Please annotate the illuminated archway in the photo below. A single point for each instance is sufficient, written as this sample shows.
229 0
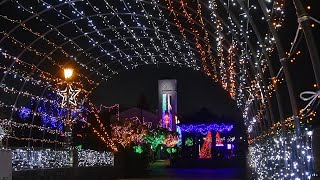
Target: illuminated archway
236 43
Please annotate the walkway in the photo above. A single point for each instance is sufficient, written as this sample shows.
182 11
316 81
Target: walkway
160 172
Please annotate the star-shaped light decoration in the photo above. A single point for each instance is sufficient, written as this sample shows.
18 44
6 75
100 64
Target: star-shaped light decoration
72 96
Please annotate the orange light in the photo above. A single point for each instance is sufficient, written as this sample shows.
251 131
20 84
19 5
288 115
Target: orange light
68 73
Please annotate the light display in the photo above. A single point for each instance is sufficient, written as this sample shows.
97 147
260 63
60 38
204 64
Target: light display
72 95
51 113
204 128
179 136
271 160
127 132
189 141
111 108
90 158
171 140
24 159
218 140
231 139
232 42
155 137
138 149
229 146
168 103
165 116
171 150
2 134
24 113
205 152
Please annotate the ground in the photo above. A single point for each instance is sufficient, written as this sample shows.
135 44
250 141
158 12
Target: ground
160 171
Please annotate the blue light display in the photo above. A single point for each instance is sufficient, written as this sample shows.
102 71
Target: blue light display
24 113
52 114
204 128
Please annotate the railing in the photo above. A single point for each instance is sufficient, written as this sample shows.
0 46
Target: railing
26 159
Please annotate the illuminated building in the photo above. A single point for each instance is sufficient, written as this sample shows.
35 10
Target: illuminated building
168 103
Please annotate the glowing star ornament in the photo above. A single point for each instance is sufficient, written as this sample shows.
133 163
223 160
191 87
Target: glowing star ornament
72 96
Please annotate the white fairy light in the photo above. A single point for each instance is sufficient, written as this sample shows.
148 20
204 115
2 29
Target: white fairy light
26 159
2 134
89 158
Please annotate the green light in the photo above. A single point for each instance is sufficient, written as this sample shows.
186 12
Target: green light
138 149
79 148
189 142
154 138
171 150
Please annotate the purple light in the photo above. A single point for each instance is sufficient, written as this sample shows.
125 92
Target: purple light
204 128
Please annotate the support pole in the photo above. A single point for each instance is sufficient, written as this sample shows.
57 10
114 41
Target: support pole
284 64
305 23
68 139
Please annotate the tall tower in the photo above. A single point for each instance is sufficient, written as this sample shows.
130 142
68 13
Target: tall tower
168 103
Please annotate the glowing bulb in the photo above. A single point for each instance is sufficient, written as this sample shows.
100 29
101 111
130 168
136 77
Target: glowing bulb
68 73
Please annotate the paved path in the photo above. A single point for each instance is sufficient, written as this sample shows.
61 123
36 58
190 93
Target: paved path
160 172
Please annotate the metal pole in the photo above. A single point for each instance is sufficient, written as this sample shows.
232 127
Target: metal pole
305 24
284 64
68 118
69 130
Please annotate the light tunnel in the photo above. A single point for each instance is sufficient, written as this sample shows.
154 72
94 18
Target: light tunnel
259 51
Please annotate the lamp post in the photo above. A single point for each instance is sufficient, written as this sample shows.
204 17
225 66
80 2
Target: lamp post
67 75
68 72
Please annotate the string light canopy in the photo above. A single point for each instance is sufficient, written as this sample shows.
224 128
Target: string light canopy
235 43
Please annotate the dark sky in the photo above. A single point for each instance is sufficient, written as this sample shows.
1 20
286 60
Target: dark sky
195 90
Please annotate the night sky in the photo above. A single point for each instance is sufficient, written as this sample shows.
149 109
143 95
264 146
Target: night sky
195 90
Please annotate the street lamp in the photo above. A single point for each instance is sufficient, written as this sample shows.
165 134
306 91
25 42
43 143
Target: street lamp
67 75
68 72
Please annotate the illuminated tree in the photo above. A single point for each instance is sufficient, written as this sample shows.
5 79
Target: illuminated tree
218 140
205 152
155 137
125 133
171 139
